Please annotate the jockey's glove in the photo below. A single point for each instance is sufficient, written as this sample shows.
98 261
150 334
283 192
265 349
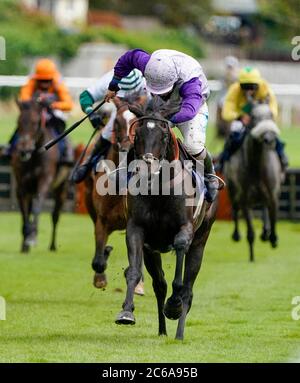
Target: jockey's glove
96 121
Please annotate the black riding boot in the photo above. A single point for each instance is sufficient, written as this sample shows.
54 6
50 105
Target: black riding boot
232 144
100 149
211 182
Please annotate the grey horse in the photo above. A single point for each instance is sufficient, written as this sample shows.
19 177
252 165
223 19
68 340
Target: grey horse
253 175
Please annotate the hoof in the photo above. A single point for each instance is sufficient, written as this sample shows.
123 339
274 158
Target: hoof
125 317
25 248
264 236
52 248
100 281
139 289
274 245
173 309
236 237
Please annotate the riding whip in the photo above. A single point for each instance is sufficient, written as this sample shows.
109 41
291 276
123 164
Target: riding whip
71 128
82 155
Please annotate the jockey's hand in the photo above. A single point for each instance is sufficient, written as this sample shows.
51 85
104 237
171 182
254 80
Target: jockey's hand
96 121
45 102
246 119
110 95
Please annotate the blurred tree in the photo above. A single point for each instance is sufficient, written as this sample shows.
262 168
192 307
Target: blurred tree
284 13
171 12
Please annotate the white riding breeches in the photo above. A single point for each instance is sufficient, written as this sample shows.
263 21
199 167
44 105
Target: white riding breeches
194 131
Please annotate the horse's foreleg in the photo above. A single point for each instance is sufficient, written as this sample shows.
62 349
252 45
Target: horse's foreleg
266 227
99 262
173 306
37 204
135 243
24 203
60 197
235 215
250 232
272 209
154 266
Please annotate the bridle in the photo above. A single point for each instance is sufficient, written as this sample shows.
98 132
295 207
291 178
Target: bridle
149 157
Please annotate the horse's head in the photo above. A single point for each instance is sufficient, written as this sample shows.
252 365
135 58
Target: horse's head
29 129
122 122
261 111
151 136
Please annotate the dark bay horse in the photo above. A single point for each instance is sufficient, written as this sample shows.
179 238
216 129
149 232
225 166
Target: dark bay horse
108 212
160 222
253 176
36 172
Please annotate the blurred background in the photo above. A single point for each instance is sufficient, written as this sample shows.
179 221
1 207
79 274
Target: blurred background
85 38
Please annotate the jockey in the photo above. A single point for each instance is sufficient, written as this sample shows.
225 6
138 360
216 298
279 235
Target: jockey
131 87
237 110
179 89
45 85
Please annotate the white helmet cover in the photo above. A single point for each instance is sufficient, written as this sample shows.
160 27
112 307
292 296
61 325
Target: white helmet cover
160 73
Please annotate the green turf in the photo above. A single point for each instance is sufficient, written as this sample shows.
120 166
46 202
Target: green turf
291 136
241 311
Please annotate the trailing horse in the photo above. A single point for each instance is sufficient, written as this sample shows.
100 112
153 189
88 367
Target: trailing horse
108 212
253 176
158 223
37 172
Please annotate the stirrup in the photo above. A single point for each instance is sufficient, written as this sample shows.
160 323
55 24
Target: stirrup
222 183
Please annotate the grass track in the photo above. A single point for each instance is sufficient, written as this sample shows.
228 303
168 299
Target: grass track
241 312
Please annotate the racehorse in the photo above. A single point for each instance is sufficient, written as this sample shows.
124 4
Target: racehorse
37 172
158 223
253 176
108 212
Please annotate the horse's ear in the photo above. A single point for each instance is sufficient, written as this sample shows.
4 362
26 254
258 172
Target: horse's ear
137 109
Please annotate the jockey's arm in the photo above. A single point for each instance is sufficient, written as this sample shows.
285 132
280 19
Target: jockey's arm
133 59
27 91
273 103
64 102
95 92
192 100
230 110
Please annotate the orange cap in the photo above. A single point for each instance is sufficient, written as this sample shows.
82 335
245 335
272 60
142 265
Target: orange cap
45 69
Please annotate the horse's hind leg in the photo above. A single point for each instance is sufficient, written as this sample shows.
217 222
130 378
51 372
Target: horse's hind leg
153 264
266 227
60 197
250 232
99 262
